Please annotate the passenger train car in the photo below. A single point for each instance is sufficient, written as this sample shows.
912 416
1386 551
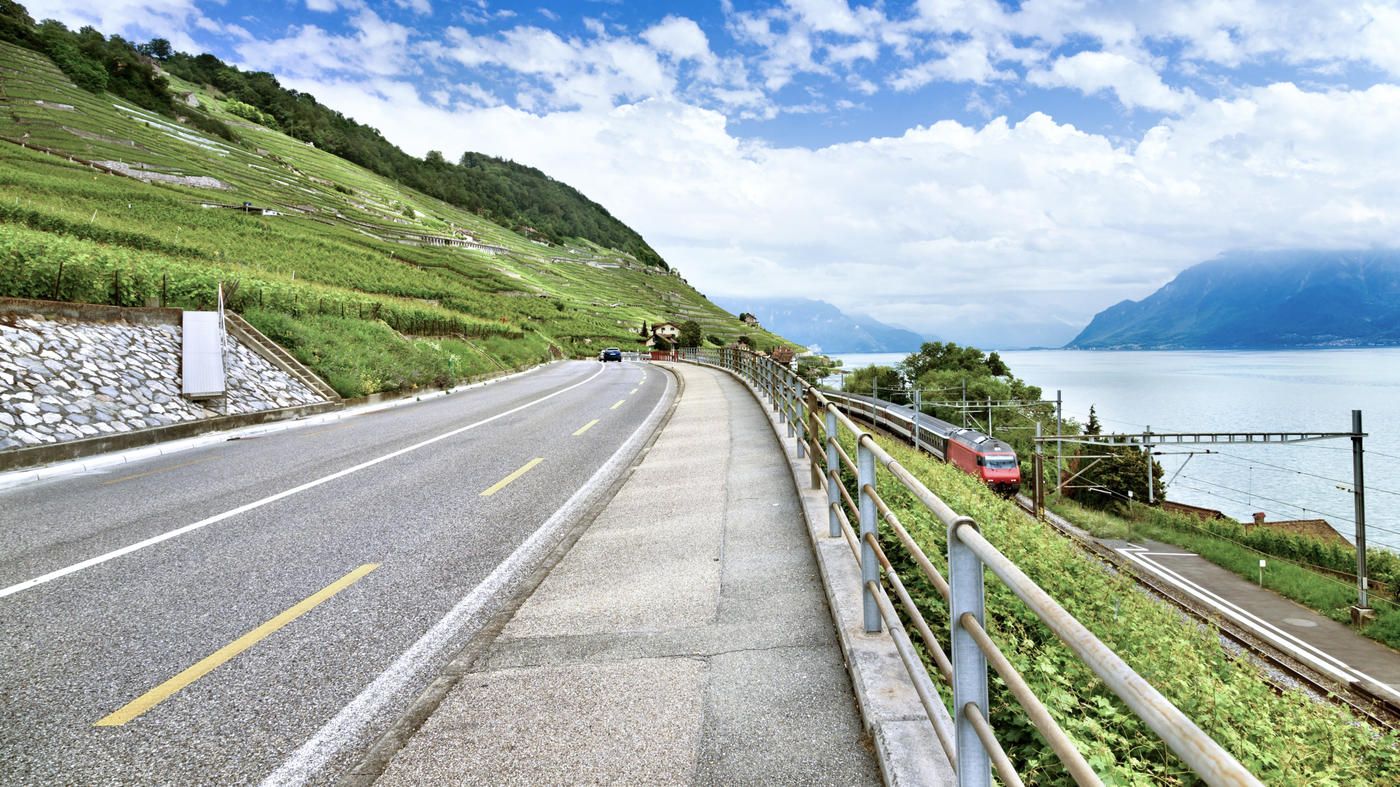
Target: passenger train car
976 454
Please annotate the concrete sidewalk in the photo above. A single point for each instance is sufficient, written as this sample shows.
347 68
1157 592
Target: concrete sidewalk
684 639
1338 648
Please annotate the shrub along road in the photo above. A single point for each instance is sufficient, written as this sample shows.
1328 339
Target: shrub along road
268 606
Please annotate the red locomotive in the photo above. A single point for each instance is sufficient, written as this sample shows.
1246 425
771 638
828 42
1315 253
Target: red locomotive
976 454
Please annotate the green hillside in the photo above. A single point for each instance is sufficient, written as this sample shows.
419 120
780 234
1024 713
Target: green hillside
376 286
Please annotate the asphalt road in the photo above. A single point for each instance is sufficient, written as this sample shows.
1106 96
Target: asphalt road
315 581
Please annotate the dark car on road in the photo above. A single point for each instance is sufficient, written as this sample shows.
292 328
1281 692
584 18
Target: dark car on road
610 354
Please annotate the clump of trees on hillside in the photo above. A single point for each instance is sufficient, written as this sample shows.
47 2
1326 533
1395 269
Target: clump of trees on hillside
97 63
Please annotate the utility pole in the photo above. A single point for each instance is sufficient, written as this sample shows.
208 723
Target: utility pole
918 408
1037 468
989 416
964 403
1059 444
1359 501
1147 454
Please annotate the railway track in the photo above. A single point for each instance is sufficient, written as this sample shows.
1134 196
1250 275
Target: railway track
1362 701
1285 672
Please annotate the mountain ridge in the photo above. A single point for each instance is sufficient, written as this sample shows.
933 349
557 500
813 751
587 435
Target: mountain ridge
813 322
1262 300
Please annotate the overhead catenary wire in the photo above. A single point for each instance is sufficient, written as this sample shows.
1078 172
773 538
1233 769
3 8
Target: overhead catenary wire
1282 468
1250 494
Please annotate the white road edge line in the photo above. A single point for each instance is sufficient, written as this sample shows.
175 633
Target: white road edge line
232 512
1319 659
15 478
355 717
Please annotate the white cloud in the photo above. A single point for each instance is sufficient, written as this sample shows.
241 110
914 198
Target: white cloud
422 7
1032 220
376 48
680 38
968 61
137 19
1135 84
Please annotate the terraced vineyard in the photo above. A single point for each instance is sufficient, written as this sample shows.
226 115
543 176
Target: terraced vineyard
375 286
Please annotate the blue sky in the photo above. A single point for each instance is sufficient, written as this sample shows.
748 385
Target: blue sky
925 162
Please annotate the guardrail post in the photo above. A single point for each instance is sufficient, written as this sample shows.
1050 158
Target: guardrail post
788 405
869 567
969 664
833 474
799 417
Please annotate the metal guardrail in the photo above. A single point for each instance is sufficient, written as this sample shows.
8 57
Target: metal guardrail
817 422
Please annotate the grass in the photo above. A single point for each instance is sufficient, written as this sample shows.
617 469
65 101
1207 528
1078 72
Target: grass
343 252
1322 593
1283 739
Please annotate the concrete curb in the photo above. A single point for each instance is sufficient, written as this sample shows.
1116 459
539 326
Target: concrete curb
904 741
165 443
38 455
376 760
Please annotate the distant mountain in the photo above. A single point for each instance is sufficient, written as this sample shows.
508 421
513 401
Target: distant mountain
1259 300
819 323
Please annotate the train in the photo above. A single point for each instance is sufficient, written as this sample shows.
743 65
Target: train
979 455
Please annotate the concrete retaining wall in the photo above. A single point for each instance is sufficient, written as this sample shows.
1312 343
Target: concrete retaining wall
73 372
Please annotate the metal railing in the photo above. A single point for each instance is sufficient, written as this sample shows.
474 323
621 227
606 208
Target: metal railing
818 423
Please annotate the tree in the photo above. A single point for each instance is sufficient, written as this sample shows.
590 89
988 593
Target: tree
1093 427
158 48
885 382
944 356
691 334
1119 478
996 366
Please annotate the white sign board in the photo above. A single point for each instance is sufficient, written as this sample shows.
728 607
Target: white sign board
202 355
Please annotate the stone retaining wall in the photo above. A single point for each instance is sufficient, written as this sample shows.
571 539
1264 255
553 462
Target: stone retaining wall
65 379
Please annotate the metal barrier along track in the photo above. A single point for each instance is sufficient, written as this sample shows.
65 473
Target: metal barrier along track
818 425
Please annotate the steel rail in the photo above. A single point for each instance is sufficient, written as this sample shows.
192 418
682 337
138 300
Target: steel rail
1181 735
1039 715
1375 710
935 648
923 685
846 498
1005 769
915 551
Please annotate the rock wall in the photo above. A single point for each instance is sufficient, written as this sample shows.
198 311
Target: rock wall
63 379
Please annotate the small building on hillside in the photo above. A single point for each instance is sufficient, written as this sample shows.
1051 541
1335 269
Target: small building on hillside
666 330
749 320
1319 529
1196 511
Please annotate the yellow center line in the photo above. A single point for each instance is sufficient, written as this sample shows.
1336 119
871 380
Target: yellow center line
158 470
618 404
586 427
211 662
634 390
501 484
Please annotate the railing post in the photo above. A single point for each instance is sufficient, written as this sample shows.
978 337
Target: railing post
833 474
969 664
799 417
869 567
789 402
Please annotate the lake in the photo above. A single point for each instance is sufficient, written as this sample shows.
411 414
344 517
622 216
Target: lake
1192 391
